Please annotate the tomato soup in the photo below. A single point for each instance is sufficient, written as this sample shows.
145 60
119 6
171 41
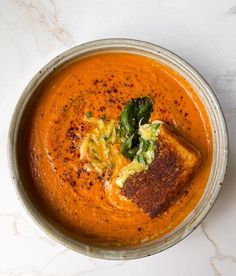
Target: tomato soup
83 201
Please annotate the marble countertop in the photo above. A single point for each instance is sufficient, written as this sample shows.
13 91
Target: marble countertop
32 32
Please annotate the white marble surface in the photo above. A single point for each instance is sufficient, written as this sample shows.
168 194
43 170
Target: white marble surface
33 32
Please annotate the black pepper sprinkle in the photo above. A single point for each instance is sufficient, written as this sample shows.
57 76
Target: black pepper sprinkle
80 171
71 133
73 183
99 178
102 108
65 160
72 149
186 192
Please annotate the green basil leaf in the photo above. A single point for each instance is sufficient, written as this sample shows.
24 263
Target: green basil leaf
135 113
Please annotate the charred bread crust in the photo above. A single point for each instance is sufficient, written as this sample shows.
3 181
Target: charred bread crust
174 165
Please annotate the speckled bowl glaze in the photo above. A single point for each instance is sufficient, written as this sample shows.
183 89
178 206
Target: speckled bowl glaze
22 182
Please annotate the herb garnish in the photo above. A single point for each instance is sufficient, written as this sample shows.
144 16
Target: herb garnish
136 112
89 114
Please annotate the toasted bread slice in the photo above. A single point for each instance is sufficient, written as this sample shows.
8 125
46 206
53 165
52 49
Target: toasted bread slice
172 169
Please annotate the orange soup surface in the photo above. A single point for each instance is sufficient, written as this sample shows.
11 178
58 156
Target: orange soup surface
84 202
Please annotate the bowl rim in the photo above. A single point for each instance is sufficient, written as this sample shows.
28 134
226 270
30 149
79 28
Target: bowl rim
95 250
